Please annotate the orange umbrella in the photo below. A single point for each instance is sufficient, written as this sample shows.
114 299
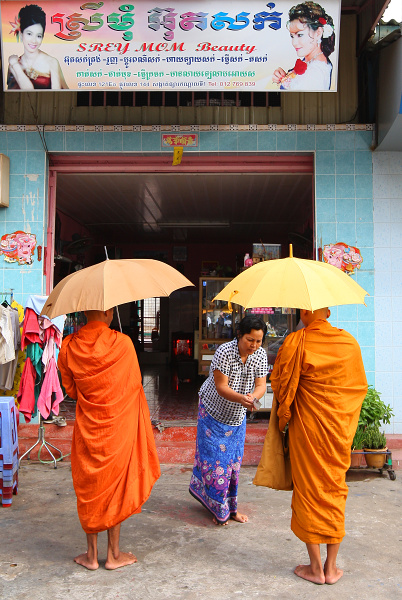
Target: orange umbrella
111 283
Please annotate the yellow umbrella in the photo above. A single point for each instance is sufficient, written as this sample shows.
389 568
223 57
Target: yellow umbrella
111 283
292 283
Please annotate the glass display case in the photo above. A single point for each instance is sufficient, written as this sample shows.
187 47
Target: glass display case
218 325
280 322
217 320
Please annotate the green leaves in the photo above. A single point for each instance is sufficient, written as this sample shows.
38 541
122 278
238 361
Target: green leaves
374 439
374 411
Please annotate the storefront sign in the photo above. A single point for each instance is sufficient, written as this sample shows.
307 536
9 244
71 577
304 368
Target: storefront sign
190 45
181 139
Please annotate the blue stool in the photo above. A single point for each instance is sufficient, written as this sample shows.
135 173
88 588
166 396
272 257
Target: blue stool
8 450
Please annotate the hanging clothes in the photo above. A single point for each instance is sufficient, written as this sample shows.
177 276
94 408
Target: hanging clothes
26 392
8 368
7 349
40 387
8 388
50 385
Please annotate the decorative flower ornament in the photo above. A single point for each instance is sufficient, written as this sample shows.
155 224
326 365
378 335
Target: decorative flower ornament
300 67
328 29
16 28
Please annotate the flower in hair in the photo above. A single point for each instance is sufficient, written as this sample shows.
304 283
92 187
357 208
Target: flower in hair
16 28
322 21
328 30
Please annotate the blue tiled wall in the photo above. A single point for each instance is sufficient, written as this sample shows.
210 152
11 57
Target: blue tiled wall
387 172
26 211
344 195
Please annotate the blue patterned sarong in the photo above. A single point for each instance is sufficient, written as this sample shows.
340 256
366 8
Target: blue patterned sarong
218 456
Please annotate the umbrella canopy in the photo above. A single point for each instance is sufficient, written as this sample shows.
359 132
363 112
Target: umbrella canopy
292 283
111 283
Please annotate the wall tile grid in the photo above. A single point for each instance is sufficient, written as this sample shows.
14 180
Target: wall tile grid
343 179
26 210
387 196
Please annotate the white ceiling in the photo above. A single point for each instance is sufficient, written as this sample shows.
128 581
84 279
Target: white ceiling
186 207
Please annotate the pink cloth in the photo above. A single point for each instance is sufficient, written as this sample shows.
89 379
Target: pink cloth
50 384
26 394
48 353
53 332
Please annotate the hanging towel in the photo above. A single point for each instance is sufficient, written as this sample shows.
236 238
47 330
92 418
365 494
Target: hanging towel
26 392
8 369
7 349
36 303
50 384
31 332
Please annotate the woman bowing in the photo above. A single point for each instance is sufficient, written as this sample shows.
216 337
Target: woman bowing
237 378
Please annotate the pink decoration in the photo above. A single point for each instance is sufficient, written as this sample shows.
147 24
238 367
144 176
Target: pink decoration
18 247
344 257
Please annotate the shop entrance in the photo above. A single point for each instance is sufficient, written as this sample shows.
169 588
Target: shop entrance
201 217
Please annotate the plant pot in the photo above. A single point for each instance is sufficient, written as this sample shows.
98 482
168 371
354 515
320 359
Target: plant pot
374 458
356 458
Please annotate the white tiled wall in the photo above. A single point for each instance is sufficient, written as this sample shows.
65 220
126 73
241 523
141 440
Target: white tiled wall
387 193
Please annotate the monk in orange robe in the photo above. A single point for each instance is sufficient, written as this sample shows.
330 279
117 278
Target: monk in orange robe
320 383
113 456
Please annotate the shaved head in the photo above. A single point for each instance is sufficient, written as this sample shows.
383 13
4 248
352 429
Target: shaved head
104 316
308 316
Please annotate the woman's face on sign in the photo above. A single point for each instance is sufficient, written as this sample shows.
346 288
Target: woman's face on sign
304 39
32 37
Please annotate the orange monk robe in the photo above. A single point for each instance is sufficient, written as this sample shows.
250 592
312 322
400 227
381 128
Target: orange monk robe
320 383
113 457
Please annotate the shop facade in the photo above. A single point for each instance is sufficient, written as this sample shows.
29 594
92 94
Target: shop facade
351 206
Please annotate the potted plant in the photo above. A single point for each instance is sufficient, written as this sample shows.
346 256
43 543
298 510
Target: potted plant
373 441
357 447
374 411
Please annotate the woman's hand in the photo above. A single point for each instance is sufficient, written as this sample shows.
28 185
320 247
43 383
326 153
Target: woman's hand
248 402
12 60
278 75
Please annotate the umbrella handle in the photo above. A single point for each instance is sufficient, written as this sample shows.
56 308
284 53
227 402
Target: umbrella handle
116 307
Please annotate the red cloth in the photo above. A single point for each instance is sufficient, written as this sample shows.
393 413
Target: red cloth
30 329
26 395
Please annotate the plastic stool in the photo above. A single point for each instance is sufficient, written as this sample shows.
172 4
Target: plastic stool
8 450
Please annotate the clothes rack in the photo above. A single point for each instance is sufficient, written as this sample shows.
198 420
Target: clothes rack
41 438
50 394
9 293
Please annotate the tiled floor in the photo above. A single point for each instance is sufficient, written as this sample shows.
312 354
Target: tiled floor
169 399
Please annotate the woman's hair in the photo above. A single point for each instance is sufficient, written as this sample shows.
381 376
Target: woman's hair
251 322
314 16
31 14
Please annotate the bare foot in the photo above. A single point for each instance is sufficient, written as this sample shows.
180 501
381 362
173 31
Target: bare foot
239 517
306 572
122 560
84 561
215 520
333 575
